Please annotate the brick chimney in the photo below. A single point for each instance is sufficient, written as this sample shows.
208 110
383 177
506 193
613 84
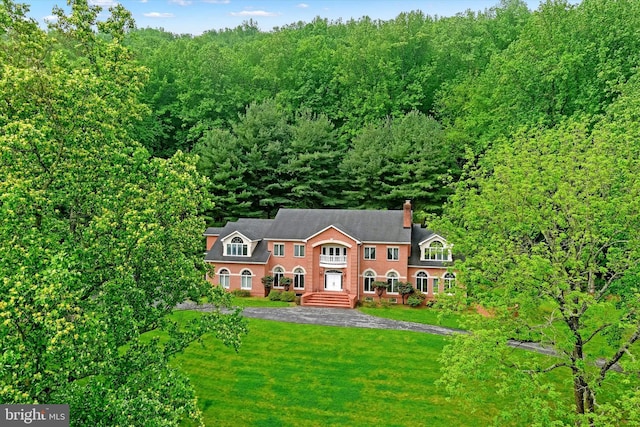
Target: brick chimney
408 215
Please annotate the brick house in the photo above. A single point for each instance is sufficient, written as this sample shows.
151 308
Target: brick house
332 255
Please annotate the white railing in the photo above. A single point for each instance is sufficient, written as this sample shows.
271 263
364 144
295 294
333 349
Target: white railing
333 259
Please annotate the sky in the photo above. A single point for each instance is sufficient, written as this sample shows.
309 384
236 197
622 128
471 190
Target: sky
197 16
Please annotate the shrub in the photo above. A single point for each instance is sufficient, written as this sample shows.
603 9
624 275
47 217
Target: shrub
275 295
243 293
416 298
287 296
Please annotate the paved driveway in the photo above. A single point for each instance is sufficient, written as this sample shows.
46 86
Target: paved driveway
351 319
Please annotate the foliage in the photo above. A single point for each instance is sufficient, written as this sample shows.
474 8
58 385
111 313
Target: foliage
549 225
98 241
275 295
267 281
416 298
242 293
286 282
405 289
288 296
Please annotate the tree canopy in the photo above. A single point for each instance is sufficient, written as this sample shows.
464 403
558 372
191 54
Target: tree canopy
99 241
550 230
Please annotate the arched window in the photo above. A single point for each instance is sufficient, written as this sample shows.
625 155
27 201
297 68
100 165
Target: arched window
436 251
298 278
449 282
278 273
245 282
224 278
392 281
422 280
369 278
237 247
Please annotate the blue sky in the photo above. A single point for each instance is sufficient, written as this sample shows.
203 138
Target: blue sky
196 16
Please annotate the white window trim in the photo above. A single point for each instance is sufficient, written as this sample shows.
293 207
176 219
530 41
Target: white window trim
242 279
397 248
397 278
281 245
364 253
297 248
303 274
227 275
278 286
364 276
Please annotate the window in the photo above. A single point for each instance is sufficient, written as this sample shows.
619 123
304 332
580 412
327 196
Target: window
224 278
298 251
278 249
392 281
436 285
298 278
436 252
369 278
237 247
422 280
449 282
369 252
393 254
278 273
245 282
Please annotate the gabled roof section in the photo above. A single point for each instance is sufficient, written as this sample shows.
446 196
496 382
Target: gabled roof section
363 225
254 229
432 236
213 231
336 227
419 236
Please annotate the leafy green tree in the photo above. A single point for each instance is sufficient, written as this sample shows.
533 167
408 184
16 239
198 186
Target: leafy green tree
98 242
550 230
405 289
400 159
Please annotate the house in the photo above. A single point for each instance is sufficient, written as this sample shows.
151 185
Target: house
332 255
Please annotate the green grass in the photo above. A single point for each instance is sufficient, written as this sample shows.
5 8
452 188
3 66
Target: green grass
259 302
429 316
307 375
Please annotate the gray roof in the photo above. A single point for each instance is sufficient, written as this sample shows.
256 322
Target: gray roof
363 225
254 229
213 231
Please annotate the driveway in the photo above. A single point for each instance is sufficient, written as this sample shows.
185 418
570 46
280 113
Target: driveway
350 319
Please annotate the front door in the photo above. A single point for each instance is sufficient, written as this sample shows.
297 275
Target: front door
333 281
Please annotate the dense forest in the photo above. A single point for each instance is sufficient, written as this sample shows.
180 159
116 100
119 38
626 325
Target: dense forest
519 129
366 114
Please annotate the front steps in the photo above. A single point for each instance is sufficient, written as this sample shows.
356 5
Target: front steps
328 299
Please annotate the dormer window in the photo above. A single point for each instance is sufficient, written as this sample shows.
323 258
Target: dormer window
435 251
237 247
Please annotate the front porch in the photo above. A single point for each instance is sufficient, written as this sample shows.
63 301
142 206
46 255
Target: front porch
329 299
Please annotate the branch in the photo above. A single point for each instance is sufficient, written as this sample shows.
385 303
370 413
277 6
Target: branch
549 369
596 332
616 357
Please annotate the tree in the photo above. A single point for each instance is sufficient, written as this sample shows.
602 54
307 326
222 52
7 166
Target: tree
98 242
550 229
399 159
405 289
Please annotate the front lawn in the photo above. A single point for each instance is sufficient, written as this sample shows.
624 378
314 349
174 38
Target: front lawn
429 316
306 375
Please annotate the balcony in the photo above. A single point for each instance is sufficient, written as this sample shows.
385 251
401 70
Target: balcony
337 261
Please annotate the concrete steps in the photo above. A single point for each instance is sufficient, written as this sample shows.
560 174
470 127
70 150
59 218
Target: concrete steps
328 299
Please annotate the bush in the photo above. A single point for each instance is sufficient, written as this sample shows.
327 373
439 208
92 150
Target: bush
275 295
288 296
416 298
243 293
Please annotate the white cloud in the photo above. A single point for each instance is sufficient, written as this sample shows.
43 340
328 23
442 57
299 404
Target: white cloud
50 18
181 2
303 5
143 1
217 1
252 13
158 15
